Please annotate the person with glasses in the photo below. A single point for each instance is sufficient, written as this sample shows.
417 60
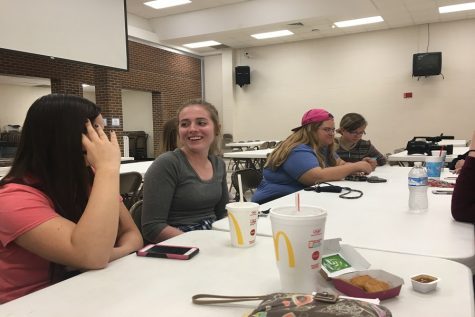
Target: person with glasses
351 147
186 189
305 158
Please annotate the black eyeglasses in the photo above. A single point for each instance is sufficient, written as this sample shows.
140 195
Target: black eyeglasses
329 130
357 133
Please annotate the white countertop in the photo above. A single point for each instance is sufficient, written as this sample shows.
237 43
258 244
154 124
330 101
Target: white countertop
4 170
404 157
256 154
380 220
140 167
455 143
140 286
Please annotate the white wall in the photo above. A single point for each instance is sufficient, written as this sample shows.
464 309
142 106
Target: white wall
15 101
213 88
366 73
137 114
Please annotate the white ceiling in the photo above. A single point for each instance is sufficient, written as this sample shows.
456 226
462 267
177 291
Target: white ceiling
231 22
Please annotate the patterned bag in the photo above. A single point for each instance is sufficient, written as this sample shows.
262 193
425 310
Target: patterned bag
301 305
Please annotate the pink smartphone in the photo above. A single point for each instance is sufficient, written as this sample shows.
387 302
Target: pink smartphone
168 251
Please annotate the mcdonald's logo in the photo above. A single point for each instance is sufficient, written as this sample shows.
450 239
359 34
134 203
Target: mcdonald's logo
237 228
288 244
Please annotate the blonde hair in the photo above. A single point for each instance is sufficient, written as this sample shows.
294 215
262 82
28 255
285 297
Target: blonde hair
213 113
304 135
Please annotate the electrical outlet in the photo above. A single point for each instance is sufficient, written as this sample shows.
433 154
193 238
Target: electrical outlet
115 122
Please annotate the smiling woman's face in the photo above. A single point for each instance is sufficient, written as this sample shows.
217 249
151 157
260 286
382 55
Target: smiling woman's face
196 129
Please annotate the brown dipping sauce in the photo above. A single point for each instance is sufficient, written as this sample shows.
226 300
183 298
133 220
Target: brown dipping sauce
424 279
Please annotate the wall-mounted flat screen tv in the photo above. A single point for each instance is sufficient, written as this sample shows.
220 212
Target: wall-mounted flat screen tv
427 64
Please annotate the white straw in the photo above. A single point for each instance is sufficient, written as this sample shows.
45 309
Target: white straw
241 196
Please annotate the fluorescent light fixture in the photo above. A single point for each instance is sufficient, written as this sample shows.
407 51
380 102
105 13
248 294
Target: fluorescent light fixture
160 4
269 35
457 7
201 44
344 24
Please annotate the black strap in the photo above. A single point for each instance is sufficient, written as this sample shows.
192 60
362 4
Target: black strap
329 188
349 191
205 299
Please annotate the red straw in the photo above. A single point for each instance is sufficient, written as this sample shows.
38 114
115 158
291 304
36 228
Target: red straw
297 201
441 149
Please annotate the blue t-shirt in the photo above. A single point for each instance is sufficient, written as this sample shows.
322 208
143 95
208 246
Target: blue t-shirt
284 180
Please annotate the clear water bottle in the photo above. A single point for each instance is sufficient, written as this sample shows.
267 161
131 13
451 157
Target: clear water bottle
417 182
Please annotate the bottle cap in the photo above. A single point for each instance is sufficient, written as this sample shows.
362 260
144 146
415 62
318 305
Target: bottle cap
417 164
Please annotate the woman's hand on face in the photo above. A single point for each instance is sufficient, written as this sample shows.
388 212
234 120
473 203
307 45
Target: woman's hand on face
371 162
100 151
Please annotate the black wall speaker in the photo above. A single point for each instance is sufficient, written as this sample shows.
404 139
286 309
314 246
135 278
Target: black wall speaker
243 75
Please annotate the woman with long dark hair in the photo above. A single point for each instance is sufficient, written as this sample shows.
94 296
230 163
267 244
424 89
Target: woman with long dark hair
60 208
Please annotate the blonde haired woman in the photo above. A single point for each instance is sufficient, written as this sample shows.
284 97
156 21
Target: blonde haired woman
306 157
186 189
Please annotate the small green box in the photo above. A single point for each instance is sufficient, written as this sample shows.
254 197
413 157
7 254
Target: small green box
334 263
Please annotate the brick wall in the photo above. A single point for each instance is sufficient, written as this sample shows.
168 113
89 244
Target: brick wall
171 78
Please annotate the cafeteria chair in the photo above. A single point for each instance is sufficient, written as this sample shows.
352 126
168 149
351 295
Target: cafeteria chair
130 188
227 138
265 145
250 179
136 214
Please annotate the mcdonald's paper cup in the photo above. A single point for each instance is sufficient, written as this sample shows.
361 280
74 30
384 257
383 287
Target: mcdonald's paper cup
242 223
434 165
298 240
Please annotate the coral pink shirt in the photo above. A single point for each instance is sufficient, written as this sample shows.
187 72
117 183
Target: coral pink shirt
22 208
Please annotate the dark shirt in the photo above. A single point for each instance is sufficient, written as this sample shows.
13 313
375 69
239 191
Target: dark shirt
463 199
362 149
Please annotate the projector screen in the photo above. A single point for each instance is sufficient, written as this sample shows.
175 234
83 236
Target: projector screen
89 31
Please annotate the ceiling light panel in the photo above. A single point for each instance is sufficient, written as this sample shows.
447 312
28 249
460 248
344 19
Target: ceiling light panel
161 4
457 7
268 35
344 24
201 44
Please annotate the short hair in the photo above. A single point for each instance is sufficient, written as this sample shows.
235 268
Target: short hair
352 121
213 113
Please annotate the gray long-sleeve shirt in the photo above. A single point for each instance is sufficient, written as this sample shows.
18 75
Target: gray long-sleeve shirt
175 195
